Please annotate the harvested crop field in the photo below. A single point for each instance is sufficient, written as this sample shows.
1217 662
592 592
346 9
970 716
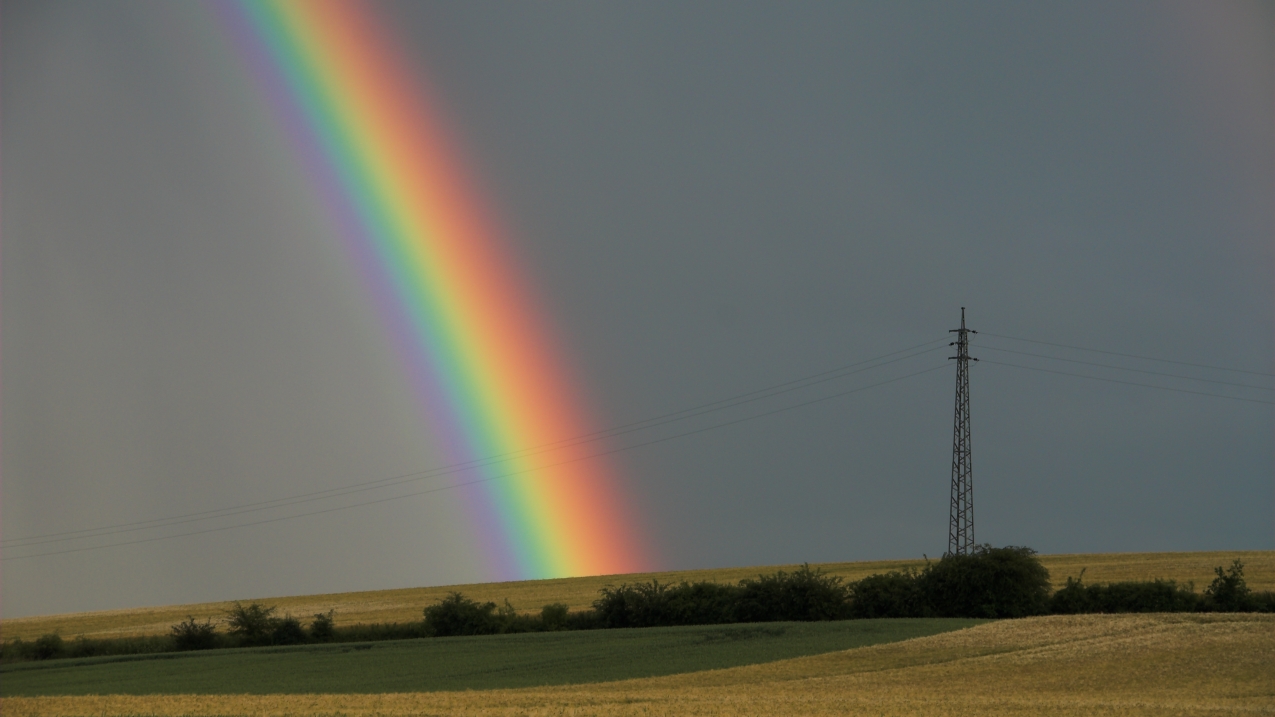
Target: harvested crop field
1057 665
405 605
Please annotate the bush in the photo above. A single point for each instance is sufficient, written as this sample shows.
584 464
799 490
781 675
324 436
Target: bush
253 625
193 635
1228 592
554 616
637 605
323 628
1073 598
655 605
458 615
584 620
377 632
702 603
1155 596
14 651
48 647
1263 601
988 583
508 620
288 631
805 594
890 595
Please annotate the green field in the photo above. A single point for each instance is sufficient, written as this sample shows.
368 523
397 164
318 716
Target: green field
459 663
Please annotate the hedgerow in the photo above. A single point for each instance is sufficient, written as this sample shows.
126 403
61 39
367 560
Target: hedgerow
989 582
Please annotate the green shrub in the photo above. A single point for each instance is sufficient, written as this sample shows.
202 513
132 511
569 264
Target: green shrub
637 605
15 650
20 651
1154 596
458 615
1228 592
584 620
84 647
805 594
988 583
701 603
323 628
1124 597
554 616
193 635
1073 598
654 605
252 625
48 647
1263 601
288 631
376 632
508 620
895 594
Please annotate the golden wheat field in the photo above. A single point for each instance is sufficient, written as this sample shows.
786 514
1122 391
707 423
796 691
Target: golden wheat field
405 605
1125 665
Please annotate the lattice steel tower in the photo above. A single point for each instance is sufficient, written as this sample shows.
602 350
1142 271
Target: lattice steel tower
960 532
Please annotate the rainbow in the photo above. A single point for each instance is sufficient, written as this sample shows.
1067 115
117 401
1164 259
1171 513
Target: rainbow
476 348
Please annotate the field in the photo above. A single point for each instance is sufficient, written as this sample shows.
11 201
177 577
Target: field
1057 666
460 663
405 605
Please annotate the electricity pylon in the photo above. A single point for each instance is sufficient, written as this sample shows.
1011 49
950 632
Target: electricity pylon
960 532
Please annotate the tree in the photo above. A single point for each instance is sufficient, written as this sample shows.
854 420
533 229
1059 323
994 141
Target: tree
193 635
287 631
989 582
893 594
48 647
554 616
254 624
323 628
1228 592
458 615
805 594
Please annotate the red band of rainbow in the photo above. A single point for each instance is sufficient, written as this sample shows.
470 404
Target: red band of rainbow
477 349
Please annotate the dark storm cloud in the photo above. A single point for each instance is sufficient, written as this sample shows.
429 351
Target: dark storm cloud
712 198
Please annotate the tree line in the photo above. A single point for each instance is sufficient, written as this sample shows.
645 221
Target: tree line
990 583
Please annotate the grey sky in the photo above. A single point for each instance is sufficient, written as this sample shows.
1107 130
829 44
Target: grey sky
712 198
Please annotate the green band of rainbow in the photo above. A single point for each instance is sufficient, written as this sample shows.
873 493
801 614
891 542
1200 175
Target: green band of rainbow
475 346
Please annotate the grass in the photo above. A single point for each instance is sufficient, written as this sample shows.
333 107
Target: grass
405 605
1056 666
460 663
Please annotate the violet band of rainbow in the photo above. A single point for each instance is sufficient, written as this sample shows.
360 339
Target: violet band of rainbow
477 349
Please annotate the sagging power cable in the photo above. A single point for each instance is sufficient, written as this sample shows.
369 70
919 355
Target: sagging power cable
375 484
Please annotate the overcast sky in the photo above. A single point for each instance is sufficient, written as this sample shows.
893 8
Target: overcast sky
711 198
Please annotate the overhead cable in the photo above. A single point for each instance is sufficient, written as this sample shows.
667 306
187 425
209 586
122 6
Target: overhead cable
683 414
1129 383
1124 368
1135 356
489 478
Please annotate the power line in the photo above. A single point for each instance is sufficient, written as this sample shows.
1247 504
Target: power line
1136 370
487 479
1129 383
695 411
684 414
1136 356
